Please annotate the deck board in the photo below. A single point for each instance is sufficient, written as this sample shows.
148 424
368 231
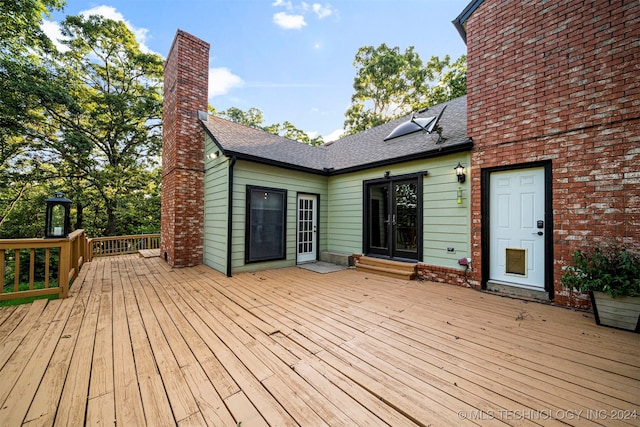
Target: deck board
139 343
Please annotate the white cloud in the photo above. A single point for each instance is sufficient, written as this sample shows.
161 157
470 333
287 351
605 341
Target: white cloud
221 81
322 11
109 12
289 22
296 20
336 134
285 4
52 30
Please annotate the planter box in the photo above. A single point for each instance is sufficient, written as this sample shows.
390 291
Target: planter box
620 312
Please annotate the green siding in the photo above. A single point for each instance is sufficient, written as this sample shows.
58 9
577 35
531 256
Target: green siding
295 182
445 223
216 189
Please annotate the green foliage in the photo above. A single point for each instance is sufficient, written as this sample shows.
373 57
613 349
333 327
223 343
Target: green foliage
86 122
614 271
38 268
20 24
28 85
19 301
448 80
252 117
390 83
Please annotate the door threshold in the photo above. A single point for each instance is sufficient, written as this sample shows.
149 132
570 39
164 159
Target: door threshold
514 289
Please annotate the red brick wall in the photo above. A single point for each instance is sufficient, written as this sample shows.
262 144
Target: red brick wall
560 81
434 273
185 93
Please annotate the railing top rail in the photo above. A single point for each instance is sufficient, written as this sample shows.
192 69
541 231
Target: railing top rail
131 236
38 243
37 240
76 234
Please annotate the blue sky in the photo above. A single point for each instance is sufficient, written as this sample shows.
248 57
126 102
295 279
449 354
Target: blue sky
291 59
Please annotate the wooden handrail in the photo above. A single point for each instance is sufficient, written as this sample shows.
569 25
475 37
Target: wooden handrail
71 255
121 245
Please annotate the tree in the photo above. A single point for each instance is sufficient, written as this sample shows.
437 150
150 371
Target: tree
389 84
111 143
252 117
448 80
27 85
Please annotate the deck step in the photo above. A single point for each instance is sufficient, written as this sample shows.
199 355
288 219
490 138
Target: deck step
385 267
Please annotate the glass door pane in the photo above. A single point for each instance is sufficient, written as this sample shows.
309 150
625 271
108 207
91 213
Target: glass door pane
405 218
379 219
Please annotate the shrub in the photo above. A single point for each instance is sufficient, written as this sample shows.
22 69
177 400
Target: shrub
614 271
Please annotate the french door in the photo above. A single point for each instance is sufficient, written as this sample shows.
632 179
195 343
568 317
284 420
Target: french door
307 228
393 220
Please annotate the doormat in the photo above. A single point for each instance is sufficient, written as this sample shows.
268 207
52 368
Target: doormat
322 267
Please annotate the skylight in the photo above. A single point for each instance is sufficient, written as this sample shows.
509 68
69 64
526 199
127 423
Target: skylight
425 124
414 125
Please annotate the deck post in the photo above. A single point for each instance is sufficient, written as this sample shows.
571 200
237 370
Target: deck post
63 268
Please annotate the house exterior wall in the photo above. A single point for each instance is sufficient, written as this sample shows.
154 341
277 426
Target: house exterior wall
340 219
559 82
216 203
445 222
247 173
185 93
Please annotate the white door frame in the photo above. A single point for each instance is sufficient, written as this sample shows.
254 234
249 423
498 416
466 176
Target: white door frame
306 228
493 252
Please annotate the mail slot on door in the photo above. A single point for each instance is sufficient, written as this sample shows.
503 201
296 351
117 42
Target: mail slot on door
540 224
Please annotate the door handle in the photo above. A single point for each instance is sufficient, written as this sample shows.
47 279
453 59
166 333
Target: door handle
539 233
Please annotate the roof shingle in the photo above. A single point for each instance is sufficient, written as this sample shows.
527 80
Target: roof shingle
352 152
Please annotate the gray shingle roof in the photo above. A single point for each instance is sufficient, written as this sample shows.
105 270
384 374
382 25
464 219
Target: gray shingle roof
357 151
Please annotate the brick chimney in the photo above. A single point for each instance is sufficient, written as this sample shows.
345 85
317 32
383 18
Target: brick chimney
186 79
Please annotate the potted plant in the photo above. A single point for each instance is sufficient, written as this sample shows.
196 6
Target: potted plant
612 278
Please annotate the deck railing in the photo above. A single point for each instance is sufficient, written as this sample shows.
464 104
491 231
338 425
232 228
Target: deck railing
35 267
121 245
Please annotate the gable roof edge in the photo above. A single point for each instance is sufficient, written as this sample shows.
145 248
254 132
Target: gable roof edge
461 20
257 159
457 148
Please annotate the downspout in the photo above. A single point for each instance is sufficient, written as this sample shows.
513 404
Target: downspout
232 163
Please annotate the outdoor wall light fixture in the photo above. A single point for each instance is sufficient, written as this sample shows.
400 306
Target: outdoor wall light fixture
387 174
213 155
460 173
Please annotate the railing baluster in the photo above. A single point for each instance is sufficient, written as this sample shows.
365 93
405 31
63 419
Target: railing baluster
121 245
47 260
70 258
32 267
16 271
2 269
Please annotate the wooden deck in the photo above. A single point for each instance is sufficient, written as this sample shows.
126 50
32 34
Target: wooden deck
138 343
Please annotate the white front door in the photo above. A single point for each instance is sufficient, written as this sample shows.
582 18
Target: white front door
517 241
307 228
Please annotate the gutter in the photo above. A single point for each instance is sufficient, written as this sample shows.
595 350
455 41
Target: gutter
463 146
230 215
461 20
457 148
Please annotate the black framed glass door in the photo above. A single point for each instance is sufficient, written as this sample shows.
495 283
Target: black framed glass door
393 218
